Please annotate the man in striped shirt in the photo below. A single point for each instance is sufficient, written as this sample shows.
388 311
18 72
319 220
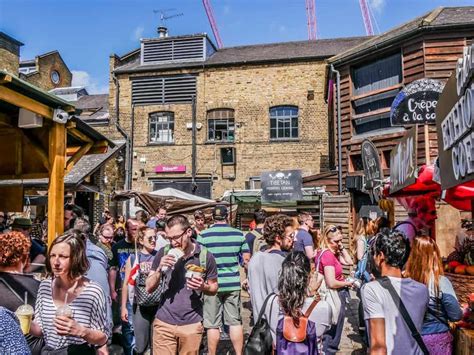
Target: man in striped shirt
226 244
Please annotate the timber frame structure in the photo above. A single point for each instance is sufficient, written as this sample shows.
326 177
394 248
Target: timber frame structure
49 151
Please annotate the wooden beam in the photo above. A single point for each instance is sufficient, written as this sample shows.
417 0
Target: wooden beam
57 162
78 155
25 102
24 176
97 148
37 148
79 135
19 152
6 79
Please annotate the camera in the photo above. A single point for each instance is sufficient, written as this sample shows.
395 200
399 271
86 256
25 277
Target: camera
60 116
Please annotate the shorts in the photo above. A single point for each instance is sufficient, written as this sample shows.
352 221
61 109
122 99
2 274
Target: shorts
213 305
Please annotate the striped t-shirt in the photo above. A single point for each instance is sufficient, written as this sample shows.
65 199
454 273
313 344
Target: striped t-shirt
88 309
226 244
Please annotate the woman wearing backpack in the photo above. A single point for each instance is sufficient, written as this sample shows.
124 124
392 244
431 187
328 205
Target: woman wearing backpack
140 262
424 265
329 260
284 312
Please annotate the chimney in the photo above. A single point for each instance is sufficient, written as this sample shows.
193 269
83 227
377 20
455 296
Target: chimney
9 54
162 32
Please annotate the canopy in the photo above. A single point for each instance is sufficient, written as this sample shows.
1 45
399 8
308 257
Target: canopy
424 185
175 201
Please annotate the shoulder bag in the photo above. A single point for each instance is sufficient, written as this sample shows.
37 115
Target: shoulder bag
330 295
260 341
385 283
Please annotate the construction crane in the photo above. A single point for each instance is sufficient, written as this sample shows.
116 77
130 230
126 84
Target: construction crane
364 8
212 22
311 19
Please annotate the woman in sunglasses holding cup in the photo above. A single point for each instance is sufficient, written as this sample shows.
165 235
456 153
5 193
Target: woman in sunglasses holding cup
329 259
140 263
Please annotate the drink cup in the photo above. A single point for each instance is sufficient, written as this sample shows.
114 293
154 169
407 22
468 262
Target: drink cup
64 310
25 315
190 274
176 253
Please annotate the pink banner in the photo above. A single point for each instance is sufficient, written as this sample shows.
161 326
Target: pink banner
170 169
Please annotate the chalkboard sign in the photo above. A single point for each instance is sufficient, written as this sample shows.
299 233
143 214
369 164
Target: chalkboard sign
372 169
283 185
416 103
403 162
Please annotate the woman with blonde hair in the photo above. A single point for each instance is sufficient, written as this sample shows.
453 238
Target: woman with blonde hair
424 265
329 260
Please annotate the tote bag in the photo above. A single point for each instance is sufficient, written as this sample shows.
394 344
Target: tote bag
331 296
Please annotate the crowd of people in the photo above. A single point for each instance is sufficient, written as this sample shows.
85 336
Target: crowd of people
163 282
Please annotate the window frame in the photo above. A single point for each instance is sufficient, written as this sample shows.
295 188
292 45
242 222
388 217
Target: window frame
170 122
285 118
221 115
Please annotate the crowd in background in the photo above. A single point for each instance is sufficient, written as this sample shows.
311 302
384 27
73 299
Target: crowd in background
161 282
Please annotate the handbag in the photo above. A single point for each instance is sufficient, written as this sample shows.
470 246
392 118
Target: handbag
331 296
260 341
73 349
386 284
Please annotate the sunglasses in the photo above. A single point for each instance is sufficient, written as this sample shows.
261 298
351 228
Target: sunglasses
151 239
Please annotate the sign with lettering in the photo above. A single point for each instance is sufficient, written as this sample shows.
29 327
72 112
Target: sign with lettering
170 169
283 185
455 124
372 169
416 103
403 161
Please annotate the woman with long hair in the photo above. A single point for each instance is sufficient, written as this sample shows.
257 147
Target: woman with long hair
424 265
329 260
360 245
293 297
143 316
70 310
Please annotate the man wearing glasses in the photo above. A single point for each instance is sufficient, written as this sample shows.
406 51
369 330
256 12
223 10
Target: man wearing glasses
178 328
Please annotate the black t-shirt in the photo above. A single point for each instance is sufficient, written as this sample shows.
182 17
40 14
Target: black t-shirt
121 251
19 283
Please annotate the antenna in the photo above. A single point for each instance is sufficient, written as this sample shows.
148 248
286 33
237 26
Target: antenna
164 15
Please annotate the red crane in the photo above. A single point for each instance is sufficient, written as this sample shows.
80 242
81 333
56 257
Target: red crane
364 7
311 19
212 22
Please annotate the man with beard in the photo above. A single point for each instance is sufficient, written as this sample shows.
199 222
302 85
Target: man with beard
264 266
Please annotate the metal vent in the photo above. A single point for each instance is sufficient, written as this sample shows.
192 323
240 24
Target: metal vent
173 50
163 90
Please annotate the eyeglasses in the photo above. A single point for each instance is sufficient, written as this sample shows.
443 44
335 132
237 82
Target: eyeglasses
151 239
290 236
333 229
178 236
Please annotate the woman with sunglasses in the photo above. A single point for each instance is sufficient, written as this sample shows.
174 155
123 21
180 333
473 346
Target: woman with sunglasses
329 260
140 262
424 265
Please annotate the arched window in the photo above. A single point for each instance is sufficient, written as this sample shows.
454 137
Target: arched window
283 122
221 125
161 127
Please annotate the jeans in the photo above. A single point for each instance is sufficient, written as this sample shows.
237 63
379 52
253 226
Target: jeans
143 318
128 339
332 337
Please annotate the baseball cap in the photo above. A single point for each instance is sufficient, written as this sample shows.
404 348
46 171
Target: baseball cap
220 212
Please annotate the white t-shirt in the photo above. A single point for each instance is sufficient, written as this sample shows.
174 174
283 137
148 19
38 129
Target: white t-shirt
379 304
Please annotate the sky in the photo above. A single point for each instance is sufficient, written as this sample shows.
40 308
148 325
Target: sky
87 32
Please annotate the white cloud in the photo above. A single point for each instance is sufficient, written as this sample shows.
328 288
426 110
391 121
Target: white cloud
83 78
137 33
377 5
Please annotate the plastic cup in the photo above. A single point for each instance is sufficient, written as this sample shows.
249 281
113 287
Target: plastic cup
25 315
64 311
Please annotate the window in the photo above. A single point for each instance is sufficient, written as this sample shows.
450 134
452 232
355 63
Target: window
221 125
162 127
284 122
375 85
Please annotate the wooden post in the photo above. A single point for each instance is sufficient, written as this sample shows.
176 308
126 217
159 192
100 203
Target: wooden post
57 163
427 144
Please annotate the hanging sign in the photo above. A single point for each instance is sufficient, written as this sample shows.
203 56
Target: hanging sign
403 162
372 169
455 124
416 103
283 185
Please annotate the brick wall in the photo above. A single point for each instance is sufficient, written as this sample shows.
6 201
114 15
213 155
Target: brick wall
9 61
251 91
45 66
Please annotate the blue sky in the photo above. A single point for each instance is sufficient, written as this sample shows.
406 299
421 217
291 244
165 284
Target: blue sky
86 32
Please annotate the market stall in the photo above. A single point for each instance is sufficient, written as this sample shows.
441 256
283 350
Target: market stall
40 138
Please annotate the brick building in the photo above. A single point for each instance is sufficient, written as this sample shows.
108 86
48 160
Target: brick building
9 53
258 108
47 71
